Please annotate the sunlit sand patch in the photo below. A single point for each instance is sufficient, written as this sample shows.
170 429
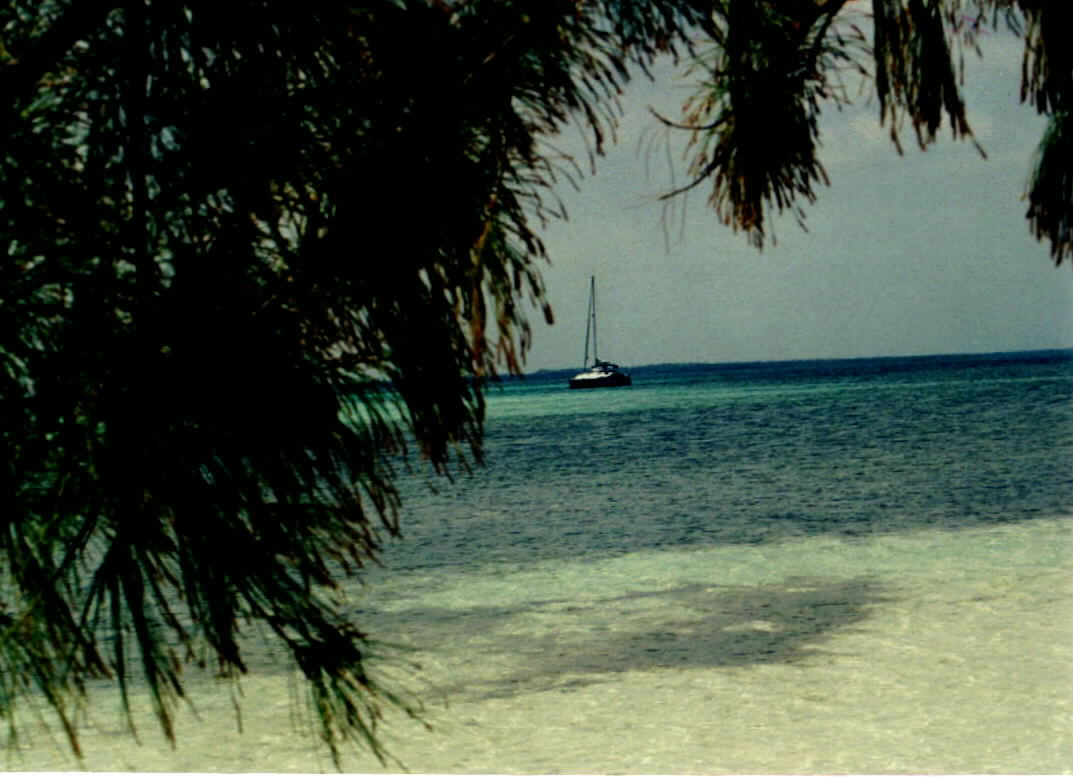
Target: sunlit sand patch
935 652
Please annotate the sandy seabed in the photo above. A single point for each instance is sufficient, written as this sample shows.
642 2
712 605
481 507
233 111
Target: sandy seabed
931 652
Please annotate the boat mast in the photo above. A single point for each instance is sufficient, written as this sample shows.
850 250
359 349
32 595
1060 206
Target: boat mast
592 310
590 325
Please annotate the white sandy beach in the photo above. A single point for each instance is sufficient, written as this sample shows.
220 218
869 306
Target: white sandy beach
933 652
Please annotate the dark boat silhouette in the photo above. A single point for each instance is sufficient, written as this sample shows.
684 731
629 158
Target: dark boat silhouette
601 374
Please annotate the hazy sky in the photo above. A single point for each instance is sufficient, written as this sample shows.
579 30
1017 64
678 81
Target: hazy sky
921 254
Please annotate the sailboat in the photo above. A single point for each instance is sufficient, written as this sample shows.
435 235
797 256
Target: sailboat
600 374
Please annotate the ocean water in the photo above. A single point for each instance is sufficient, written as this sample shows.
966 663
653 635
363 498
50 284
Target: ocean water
858 566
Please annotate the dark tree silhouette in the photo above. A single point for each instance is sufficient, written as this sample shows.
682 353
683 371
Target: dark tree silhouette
254 251
771 67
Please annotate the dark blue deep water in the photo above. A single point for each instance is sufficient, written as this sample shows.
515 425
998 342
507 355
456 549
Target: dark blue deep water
697 455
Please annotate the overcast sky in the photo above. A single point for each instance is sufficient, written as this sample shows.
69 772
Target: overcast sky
921 254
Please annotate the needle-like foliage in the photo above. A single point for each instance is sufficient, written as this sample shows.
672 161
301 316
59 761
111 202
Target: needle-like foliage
769 68
754 123
1047 83
252 251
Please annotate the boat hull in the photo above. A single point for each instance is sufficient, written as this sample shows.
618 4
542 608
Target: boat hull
607 380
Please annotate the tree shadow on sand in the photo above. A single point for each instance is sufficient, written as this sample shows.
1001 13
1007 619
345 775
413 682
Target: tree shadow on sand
688 627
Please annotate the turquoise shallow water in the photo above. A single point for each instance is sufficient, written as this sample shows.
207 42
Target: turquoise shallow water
852 567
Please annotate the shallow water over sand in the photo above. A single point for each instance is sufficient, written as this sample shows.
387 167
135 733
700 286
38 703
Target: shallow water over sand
933 652
829 568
